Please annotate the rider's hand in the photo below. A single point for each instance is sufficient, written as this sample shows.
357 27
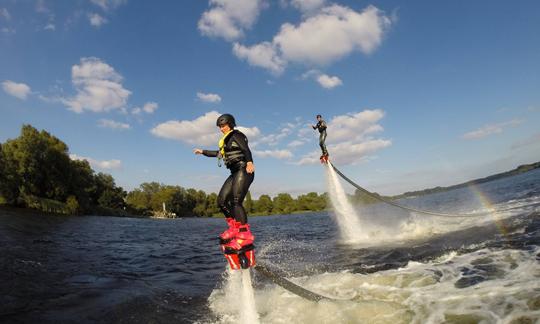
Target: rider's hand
250 168
197 151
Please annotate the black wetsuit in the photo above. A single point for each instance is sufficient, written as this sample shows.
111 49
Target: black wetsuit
235 188
321 126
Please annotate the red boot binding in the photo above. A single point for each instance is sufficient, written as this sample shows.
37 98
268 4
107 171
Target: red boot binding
242 239
230 232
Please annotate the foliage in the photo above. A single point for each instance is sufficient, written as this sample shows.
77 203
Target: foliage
37 172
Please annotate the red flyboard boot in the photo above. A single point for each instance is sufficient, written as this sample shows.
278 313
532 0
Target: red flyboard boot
324 158
230 232
239 252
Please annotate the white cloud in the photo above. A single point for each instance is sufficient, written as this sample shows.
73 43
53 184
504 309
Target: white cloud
350 138
278 154
96 20
274 139
8 31
98 87
4 13
325 37
50 26
262 55
209 97
354 126
229 18
296 143
326 81
106 165
107 123
200 131
333 33
19 90
149 108
490 129
308 6
109 4
329 82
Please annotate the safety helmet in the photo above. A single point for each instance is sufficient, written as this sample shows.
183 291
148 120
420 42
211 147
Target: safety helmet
318 116
226 119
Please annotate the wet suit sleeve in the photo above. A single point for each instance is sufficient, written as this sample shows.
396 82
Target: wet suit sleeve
242 142
210 153
323 125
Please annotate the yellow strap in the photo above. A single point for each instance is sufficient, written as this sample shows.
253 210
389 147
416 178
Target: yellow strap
222 143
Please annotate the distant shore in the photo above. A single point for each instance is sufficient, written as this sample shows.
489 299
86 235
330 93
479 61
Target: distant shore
11 210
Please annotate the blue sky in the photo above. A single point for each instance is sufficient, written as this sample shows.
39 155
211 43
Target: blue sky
417 93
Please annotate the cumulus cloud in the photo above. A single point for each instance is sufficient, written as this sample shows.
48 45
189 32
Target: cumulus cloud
108 4
50 26
96 20
324 80
490 129
4 13
149 108
8 31
296 143
350 138
105 165
229 18
277 154
99 87
200 131
19 90
332 33
329 82
262 55
308 6
208 97
107 123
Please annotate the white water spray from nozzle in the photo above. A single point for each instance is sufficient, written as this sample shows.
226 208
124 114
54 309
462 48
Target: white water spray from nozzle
345 215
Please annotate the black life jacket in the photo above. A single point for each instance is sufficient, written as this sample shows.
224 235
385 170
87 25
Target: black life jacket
233 153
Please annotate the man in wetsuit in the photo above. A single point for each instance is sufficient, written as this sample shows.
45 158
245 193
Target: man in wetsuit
235 152
321 126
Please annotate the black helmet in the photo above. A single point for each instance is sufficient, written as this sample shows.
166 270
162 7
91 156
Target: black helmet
318 116
226 119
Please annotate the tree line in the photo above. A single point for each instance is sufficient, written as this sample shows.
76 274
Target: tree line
37 172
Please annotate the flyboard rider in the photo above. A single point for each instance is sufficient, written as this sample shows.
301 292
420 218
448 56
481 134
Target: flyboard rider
321 126
237 240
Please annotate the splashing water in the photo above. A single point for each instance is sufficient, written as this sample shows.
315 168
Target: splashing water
236 302
345 215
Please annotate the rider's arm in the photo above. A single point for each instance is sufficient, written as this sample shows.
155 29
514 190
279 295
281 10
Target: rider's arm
242 142
210 153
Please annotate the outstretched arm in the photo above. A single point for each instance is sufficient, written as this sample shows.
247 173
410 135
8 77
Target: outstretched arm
208 153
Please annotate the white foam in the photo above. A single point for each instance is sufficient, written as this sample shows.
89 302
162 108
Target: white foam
235 302
417 293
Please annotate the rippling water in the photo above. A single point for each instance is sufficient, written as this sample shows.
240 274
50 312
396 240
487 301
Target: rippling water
414 269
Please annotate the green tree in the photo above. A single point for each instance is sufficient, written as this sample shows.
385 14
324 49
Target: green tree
106 193
39 162
284 204
211 204
264 205
72 205
311 201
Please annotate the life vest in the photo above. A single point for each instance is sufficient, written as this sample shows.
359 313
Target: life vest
230 152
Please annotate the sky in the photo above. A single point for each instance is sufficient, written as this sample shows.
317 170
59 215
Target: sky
416 94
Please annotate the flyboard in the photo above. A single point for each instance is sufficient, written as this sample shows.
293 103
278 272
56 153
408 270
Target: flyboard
239 259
